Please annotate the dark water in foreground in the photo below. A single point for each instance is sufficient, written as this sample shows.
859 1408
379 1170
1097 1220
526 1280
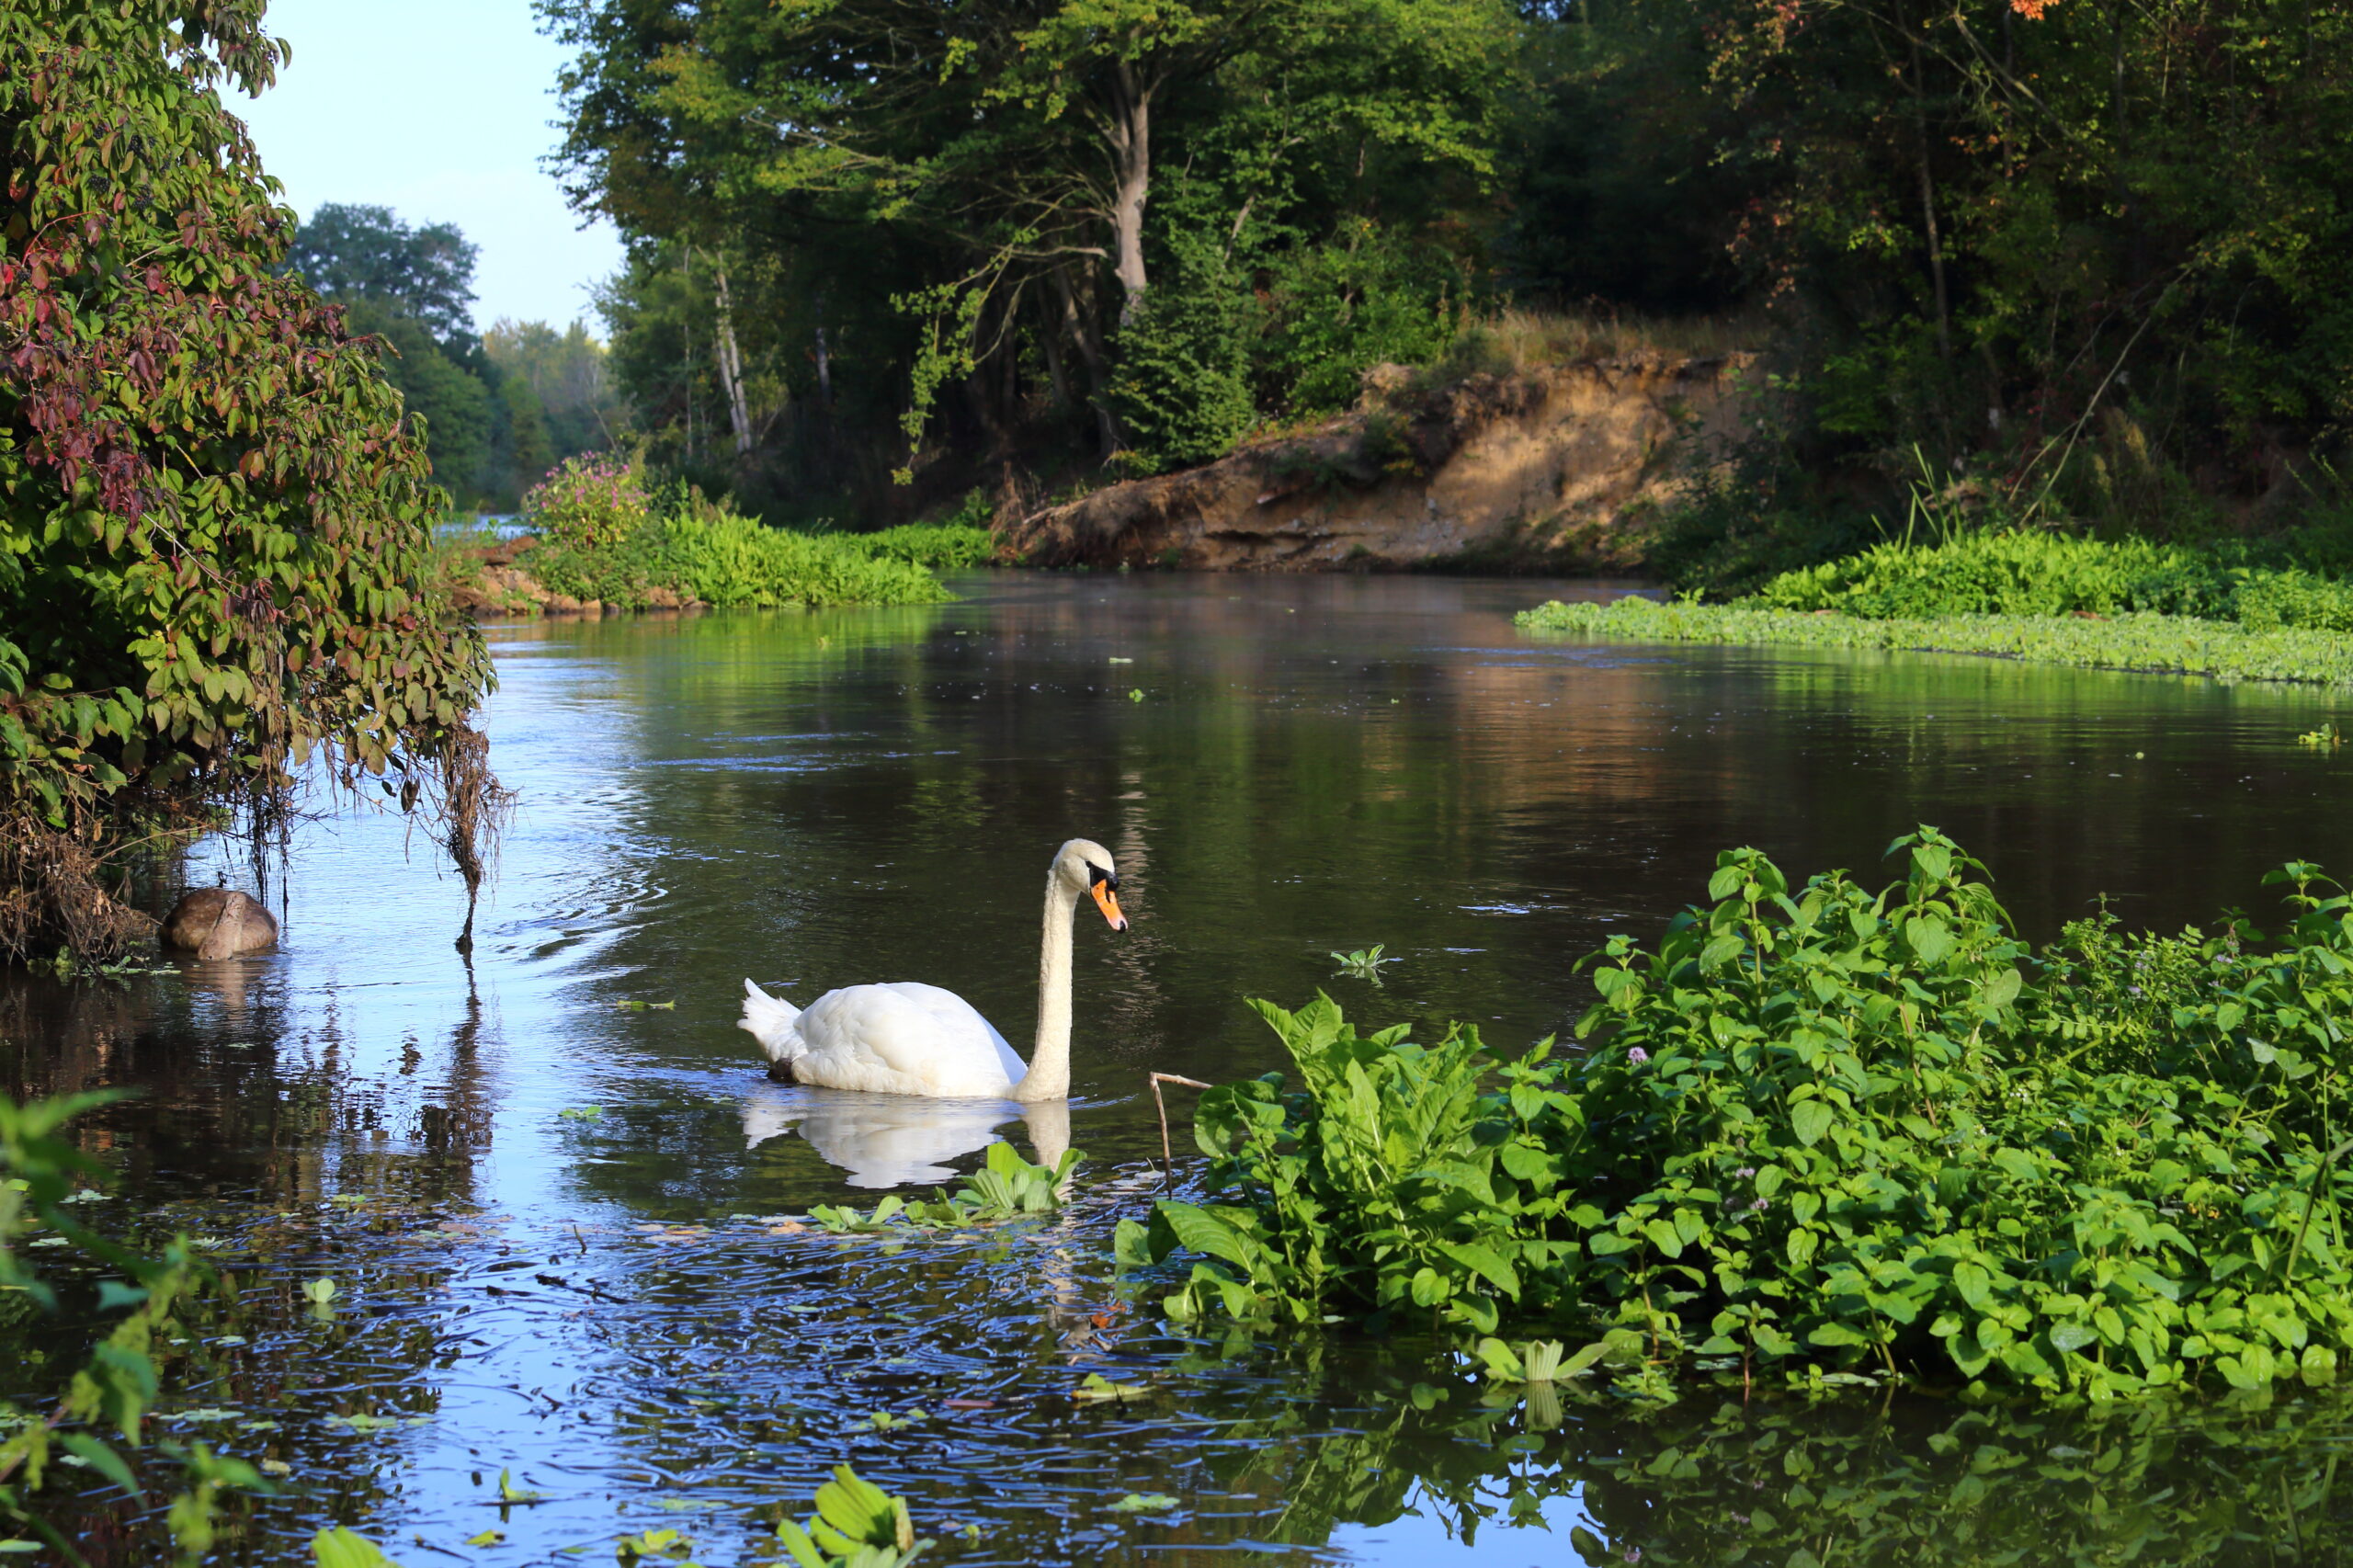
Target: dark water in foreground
554 1221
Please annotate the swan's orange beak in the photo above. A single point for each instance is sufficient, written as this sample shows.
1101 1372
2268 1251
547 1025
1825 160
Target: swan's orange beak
1107 901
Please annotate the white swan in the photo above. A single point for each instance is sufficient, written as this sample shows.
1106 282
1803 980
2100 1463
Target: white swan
909 1039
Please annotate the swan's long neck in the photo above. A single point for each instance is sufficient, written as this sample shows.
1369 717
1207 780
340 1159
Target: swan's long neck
1049 1074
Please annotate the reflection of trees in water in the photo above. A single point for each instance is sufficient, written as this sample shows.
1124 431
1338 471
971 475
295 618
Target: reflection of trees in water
242 1086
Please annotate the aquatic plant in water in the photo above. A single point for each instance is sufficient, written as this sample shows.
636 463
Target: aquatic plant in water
857 1525
1006 1187
1826 1133
1364 963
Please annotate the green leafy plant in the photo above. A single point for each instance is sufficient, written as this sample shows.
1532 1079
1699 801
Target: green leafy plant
1362 964
1389 1180
957 545
1821 1133
857 1525
685 547
341 1548
1007 1187
2328 737
662 1546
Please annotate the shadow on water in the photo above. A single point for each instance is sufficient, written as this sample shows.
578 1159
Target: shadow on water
563 1218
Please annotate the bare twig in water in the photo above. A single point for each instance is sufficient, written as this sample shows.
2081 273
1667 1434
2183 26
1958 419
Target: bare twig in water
1167 1155
475 807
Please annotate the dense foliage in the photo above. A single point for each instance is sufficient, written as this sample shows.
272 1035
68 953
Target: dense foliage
2045 573
1821 1132
2081 252
212 524
602 534
1057 227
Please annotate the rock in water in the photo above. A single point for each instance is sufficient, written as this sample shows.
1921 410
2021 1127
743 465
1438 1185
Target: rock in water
219 923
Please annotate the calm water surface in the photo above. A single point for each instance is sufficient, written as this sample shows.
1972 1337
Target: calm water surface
558 1218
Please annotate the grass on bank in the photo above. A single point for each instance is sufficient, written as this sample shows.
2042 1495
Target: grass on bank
2146 641
2235 610
599 532
1821 1133
729 562
2286 582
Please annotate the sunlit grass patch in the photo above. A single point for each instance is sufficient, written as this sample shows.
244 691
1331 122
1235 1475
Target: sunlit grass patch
2170 644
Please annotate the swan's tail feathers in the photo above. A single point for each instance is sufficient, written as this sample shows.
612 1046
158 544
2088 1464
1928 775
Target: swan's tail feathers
770 1022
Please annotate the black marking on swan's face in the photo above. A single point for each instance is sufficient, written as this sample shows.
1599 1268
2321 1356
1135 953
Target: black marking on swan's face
1097 876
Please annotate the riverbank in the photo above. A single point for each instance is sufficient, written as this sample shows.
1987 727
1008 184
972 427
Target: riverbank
1532 468
711 562
2172 645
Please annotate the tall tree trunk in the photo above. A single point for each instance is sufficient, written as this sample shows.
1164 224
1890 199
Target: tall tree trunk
1929 208
1131 161
824 362
1050 339
1090 353
731 370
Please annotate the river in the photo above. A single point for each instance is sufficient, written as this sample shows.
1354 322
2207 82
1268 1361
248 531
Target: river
557 1194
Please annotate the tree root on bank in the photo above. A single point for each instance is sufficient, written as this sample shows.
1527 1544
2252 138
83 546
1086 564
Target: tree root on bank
51 897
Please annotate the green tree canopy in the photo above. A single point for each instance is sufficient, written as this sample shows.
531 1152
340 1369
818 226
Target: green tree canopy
366 253
995 166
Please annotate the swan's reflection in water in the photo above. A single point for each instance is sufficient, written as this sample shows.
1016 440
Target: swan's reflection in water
885 1140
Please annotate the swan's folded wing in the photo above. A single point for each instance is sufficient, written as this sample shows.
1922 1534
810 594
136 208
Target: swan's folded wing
949 1028
930 1038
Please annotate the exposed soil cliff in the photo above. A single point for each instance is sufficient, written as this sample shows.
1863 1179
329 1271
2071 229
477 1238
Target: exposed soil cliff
1541 469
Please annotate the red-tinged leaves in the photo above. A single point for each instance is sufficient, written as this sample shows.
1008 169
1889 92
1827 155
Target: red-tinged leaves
175 432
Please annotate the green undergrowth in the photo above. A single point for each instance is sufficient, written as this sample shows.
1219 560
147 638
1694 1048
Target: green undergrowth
1825 1133
942 547
1006 1187
728 560
2138 641
2033 572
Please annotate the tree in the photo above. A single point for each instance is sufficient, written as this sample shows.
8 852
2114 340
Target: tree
215 535
566 377
1011 148
365 253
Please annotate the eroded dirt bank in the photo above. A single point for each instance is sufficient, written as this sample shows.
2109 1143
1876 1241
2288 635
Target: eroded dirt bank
1548 468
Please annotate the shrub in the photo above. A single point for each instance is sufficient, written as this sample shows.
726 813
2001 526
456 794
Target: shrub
591 501
1182 389
1368 296
215 522
709 552
1824 1131
951 545
2035 572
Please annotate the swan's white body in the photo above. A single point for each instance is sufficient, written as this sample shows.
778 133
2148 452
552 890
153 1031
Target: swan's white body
906 1038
